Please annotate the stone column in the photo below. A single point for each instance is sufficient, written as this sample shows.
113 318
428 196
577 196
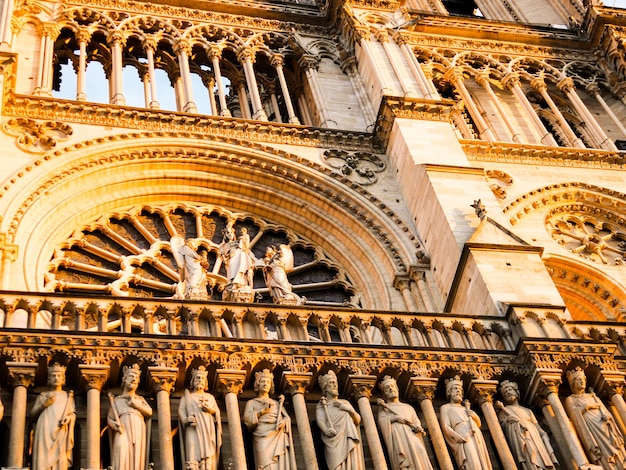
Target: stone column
182 50
296 385
512 82
547 383
309 64
163 379
244 105
567 86
557 432
364 41
21 376
215 61
5 26
424 390
349 67
48 32
481 392
277 62
483 80
383 37
83 37
116 41
246 57
538 84
613 388
362 386
230 384
594 90
95 375
455 77
150 46
403 283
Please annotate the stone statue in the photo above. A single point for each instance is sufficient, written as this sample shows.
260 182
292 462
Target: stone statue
200 425
277 262
55 413
594 425
401 430
339 425
529 443
271 427
461 429
128 428
239 262
192 269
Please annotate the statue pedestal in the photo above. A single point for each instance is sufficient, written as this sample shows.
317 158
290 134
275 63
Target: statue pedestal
239 296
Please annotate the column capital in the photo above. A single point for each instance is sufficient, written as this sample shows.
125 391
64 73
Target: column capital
231 381
382 35
22 373
566 84
362 385
277 60
511 80
543 383
593 89
149 44
245 54
308 61
182 47
215 52
423 388
163 379
482 78
482 391
454 75
296 382
116 37
94 374
538 84
612 382
83 35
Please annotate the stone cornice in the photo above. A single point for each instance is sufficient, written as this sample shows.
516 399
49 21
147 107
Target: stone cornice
264 14
170 121
502 152
393 107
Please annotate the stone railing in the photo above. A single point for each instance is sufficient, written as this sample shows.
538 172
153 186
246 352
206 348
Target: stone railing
49 311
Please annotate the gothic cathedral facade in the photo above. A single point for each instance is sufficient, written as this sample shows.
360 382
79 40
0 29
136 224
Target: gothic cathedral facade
371 195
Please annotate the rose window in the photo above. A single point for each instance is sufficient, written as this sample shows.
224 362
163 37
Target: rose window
129 254
600 237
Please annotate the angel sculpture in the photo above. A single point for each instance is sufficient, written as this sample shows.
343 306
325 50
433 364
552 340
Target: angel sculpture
277 263
192 268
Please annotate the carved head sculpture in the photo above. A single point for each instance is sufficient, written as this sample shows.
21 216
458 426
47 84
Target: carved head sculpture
389 387
454 385
264 377
328 381
509 391
199 376
56 374
576 379
130 376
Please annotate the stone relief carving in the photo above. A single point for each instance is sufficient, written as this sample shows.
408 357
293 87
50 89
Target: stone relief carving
360 167
36 137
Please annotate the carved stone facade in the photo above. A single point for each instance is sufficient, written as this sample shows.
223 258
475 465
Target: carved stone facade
426 193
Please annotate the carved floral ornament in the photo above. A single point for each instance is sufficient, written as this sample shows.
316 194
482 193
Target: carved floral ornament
36 137
359 167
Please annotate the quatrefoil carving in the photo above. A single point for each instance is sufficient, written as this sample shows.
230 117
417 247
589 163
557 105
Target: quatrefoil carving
36 137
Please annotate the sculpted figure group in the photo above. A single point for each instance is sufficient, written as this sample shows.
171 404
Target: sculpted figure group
200 427
235 252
